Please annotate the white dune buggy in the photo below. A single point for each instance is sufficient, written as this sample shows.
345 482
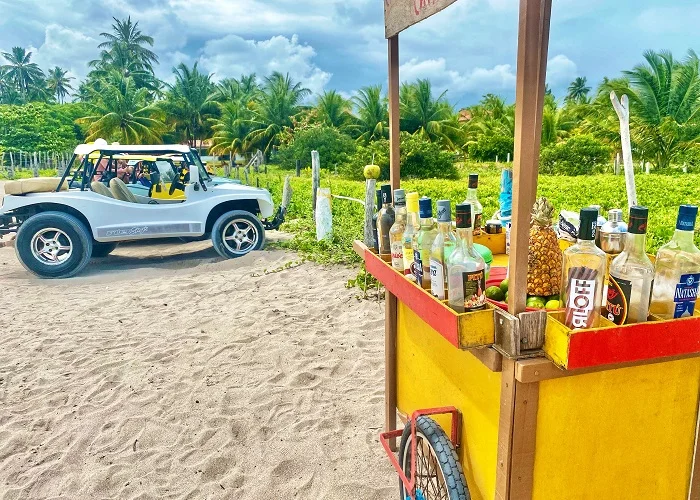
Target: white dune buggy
114 193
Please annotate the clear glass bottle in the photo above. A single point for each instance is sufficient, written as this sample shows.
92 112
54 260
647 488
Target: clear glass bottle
631 275
472 198
677 274
442 248
466 269
412 225
583 275
599 225
385 221
374 220
423 242
612 234
397 230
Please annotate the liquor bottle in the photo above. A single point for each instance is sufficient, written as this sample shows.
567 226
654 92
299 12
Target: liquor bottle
397 230
384 221
374 220
412 225
677 270
631 275
583 274
466 269
599 224
443 246
477 209
612 233
423 242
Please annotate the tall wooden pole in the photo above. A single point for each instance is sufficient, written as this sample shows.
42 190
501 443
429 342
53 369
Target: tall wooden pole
394 115
533 43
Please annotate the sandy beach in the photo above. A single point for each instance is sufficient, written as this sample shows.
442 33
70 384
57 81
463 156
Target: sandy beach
163 371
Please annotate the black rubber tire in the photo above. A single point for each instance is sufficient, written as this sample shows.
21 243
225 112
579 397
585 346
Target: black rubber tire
102 249
445 453
217 236
80 236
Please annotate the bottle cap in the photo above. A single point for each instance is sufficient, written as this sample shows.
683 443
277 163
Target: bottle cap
400 197
638 220
614 215
686 217
473 181
463 215
588 224
386 194
444 213
412 202
425 207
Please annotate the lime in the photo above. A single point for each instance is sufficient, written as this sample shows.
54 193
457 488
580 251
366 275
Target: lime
552 304
494 293
536 302
504 285
505 298
553 297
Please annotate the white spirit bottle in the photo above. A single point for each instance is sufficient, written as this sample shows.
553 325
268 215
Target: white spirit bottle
423 242
412 225
472 198
397 230
466 269
443 246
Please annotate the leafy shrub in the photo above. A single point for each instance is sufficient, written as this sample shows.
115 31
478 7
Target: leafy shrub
40 127
334 148
420 159
578 155
488 147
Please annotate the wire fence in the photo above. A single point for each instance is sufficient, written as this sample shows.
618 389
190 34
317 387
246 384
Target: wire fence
18 164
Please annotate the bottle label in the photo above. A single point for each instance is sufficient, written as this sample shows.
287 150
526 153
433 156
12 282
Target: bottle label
474 284
397 255
581 303
477 223
407 259
619 293
685 296
417 267
437 279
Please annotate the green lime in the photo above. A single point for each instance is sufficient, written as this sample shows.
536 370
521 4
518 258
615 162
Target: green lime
504 285
536 302
552 304
505 298
494 293
553 297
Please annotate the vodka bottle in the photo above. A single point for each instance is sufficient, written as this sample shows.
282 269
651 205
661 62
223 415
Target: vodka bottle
385 221
677 270
477 209
466 269
443 245
631 275
423 242
412 225
374 220
397 230
584 267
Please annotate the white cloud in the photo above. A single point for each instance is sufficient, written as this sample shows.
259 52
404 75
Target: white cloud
233 56
669 19
67 48
560 71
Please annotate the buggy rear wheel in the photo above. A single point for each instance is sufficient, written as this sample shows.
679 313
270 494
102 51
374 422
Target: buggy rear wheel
53 245
439 475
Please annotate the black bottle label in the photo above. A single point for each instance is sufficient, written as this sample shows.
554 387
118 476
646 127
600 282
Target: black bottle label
474 283
417 267
619 292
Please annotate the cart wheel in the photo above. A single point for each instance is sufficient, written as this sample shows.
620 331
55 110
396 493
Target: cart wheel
439 474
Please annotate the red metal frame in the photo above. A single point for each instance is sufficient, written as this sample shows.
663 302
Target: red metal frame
384 437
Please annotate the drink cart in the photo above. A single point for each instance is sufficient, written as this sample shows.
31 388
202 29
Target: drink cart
514 405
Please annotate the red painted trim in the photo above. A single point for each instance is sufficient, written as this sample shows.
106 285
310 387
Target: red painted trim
440 317
634 343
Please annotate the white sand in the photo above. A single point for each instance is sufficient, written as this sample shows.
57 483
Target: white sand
185 376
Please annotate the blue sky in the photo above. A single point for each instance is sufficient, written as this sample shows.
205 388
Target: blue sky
468 49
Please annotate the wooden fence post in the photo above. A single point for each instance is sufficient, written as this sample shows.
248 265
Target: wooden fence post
298 168
315 178
370 189
35 165
11 172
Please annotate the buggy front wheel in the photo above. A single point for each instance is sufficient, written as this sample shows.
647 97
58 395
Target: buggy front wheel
237 233
439 475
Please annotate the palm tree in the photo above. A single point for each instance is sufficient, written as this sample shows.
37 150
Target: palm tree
372 114
578 90
127 38
275 110
120 111
422 114
20 70
188 102
491 117
58 83
334 110
231 89
557 122
231 129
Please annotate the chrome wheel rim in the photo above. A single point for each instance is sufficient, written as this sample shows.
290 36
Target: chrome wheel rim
240 236
51 246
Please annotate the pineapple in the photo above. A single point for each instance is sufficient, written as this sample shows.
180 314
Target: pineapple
545 257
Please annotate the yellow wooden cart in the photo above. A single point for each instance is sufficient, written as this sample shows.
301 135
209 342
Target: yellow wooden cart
524 407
